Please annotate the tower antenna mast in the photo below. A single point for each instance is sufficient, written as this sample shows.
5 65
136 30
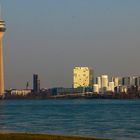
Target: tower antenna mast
0 12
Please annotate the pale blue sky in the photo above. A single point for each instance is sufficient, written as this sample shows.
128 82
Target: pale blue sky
50 37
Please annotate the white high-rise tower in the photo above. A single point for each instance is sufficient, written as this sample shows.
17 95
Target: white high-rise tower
104 83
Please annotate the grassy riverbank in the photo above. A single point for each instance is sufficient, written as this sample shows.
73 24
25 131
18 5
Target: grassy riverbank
19 136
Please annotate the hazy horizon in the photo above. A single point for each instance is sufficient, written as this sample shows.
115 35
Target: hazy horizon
50 37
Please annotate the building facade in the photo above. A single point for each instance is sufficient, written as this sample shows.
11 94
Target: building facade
116 81
104 83
111 86
137 81
82 77
128 81
98 81
36 83
20 92
95 88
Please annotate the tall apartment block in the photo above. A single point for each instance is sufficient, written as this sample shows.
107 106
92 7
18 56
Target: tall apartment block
104 83
82 77
98 81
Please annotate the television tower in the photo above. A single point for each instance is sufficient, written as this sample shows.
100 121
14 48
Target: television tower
2 30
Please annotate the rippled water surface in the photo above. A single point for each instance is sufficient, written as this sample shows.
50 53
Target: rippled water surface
119 119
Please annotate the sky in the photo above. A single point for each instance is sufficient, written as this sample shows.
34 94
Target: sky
51 37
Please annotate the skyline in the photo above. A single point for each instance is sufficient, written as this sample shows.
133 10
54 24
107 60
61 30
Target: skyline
100 34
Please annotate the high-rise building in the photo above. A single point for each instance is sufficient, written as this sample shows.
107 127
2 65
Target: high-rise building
104 83
82 77
120 81
116 81
128 81
95 88
133 81
2 30
36 83
111 86
98 81
137 81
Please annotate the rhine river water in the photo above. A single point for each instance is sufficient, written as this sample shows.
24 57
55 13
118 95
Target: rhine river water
118 119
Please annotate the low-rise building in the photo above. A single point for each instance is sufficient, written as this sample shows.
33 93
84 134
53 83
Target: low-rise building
21 92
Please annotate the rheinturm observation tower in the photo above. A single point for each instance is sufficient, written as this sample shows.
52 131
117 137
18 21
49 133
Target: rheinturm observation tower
2 30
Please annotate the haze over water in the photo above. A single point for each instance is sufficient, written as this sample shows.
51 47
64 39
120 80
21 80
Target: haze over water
96 118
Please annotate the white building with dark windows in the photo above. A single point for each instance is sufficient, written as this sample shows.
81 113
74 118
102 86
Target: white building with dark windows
104 83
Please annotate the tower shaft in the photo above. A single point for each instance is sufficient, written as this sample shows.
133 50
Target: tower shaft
1 67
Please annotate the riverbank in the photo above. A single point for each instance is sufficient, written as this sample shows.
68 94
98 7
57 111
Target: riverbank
74 96
24 136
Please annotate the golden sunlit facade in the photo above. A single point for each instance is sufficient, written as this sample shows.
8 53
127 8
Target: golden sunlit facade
82 77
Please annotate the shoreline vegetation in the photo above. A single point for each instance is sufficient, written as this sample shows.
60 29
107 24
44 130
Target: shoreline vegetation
27 136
